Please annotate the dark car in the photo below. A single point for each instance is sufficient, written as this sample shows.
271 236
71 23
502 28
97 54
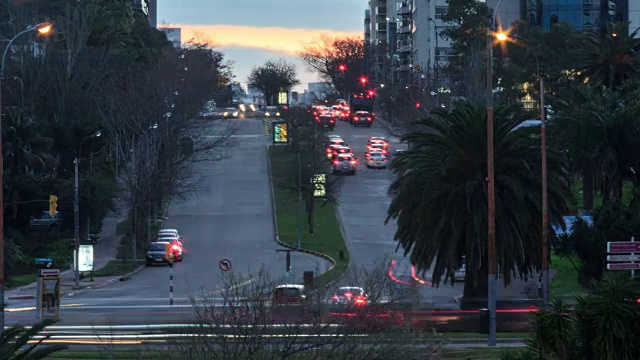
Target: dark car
156 253
288 295
326 121
362 118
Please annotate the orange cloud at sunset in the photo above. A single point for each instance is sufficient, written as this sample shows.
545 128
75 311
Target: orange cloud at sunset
286 40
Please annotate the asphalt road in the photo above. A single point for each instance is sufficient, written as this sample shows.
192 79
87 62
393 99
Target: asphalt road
229 216
362 208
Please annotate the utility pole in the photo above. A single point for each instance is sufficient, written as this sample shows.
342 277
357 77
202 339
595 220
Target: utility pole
300 207
76 220
545 210
491 216
134 211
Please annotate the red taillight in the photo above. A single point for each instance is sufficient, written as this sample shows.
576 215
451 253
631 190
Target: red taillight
353 162
176 247
336 163
329 150
386 145
332 120
315 113
335 298
360 300
638 301
369 118
348 294
356 118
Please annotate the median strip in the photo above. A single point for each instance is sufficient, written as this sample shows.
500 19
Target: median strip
327 240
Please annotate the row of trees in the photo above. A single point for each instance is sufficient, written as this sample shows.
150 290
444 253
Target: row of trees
103 68
592 88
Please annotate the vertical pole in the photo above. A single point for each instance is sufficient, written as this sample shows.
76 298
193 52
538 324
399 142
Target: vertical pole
288 262
171 284
134 211
76 219
1 213
491 240
545 206
300 209
89 191
117 156
633 271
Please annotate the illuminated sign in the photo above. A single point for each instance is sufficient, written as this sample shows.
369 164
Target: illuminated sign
280 133
319 182
283 97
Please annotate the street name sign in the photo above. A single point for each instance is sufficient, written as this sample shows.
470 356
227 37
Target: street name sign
623 257
623 266
43 263
623 247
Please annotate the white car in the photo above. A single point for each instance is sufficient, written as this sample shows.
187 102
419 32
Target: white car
379 146
376 160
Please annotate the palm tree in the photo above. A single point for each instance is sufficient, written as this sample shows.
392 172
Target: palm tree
611 58
18 343
440 202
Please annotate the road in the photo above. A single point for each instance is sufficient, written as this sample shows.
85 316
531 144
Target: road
229 216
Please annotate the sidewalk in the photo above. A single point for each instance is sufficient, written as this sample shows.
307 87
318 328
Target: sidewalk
104 251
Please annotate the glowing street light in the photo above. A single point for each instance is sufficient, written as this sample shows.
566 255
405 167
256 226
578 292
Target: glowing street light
342 67
44 28
501 36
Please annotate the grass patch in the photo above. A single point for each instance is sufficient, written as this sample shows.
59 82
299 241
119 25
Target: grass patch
116 268
476 353
466 335
627 193
15 281
565 281
327 238
106 354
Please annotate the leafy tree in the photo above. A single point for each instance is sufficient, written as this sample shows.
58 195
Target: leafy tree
17 343
326 56
611 58
439 199
612 222
467 24
273 77
602 325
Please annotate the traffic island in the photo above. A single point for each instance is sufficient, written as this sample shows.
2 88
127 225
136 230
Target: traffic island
327 240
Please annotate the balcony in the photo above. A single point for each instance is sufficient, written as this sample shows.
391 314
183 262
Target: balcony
404 48
404 29
404 68
405 9
381 10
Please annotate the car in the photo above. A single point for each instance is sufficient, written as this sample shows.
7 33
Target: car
331 149
230 113
376 160
461 273
344 115
362 118
156 253
173 232
339 150
176 246
345 163
378 146
288 294
373 151
350 295
271 111
326 121
335 140
379 139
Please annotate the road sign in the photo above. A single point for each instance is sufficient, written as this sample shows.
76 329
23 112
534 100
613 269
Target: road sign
623 257
225 265
48 272
623 247
623 266
43 263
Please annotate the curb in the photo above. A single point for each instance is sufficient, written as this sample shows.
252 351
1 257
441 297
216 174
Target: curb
130 274
331 260
21 297
90 287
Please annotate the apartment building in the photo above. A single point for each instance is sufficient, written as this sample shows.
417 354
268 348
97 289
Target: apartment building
382 25
367 26
582 14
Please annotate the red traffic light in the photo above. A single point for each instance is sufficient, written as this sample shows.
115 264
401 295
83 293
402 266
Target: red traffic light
372 92
417 105
364 80
342 67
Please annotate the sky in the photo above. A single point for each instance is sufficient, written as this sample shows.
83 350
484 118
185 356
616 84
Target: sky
250 32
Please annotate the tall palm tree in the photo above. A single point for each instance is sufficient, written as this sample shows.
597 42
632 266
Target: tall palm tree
611 58
440 196
19 343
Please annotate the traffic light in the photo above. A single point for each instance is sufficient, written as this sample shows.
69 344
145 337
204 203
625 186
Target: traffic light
372 93
342 67
364 80
417 105
53 205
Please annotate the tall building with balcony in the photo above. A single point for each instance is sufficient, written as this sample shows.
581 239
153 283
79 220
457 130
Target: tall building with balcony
367 26
382 39
404 49
582 14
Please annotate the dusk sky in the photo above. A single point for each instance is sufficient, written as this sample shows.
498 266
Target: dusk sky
251 32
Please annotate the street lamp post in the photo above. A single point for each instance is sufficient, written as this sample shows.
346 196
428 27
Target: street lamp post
76 209
42 28
543 146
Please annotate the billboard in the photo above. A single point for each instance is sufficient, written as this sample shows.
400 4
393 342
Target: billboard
280 133
319 182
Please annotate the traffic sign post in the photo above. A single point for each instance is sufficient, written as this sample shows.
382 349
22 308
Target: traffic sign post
48 296
625 255
43 263
224 265
288 265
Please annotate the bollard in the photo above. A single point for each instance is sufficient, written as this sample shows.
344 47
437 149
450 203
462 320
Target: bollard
171 284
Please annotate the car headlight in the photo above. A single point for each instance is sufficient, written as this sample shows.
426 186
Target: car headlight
277 114
225 114
235 113
267 114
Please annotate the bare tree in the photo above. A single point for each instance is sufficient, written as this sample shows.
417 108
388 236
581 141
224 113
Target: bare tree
153 117
272 77
246 323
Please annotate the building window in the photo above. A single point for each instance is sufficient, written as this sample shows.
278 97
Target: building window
440 11
444 54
